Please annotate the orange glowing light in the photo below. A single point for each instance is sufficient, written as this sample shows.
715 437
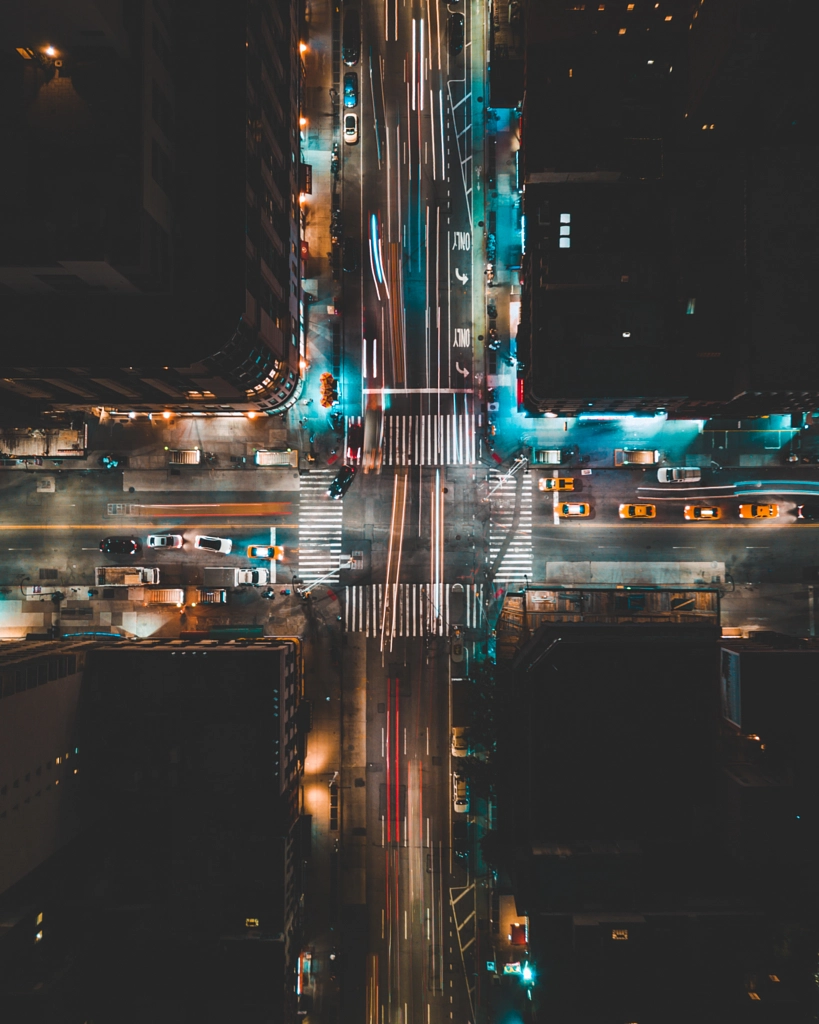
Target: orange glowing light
166 415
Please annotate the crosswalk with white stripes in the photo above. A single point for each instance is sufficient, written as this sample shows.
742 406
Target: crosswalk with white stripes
510 527
429 439
319 527
415 609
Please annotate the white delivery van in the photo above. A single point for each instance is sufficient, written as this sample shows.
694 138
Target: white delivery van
548 456
184 456
175 596
636 457
279 457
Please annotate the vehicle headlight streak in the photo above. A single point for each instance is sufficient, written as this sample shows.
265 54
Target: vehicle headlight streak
376 258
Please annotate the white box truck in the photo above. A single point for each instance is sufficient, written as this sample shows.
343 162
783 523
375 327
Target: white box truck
124 576
282 457
235 576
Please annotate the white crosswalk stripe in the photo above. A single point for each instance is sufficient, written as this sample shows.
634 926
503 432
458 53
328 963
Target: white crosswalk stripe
516 563
429 439
420 608
319 527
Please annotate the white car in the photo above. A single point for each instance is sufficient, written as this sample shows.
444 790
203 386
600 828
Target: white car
351 129
164 540
679 475
460 794
220 545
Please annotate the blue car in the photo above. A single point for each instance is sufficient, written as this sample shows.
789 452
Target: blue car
351 89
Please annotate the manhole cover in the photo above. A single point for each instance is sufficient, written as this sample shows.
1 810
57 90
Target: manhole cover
49 574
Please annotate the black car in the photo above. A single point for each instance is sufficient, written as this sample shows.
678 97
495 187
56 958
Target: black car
807 513
120 546
351 38
349 260
339 487
456 33
351 89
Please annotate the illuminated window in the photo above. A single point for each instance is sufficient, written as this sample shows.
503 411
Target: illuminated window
668 17
621 32
619 934
565 229
690 307
58 760
624 279
251 922
565 218
773 977
754 996
630 7
601 7
565 243
38 936
570 72
39 919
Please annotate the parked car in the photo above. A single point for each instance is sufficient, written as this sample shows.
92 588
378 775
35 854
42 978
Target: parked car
638 511
679 475
570 509
807 513
220 545
758 511
351 37
456 33
702 512
556 483
351 129
351 89
339 487
120 546
165 540
460 745
460 794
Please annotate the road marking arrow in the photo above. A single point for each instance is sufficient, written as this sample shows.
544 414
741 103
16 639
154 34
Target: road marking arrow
462 370
463 278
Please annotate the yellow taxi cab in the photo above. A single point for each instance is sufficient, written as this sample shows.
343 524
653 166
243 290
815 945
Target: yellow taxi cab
702 513
556 483
638 511
569 509
265 551
758 511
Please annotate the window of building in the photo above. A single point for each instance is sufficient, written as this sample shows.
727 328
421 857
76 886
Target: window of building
619 934
161 167
161 109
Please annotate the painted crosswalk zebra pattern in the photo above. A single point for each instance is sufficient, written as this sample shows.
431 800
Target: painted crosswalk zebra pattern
429 439
319 528
510 527
419 609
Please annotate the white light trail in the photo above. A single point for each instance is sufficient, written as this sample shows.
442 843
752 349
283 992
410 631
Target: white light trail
413 63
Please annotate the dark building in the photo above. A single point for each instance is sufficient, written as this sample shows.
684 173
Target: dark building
619 808
652 278
149 248
152 812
